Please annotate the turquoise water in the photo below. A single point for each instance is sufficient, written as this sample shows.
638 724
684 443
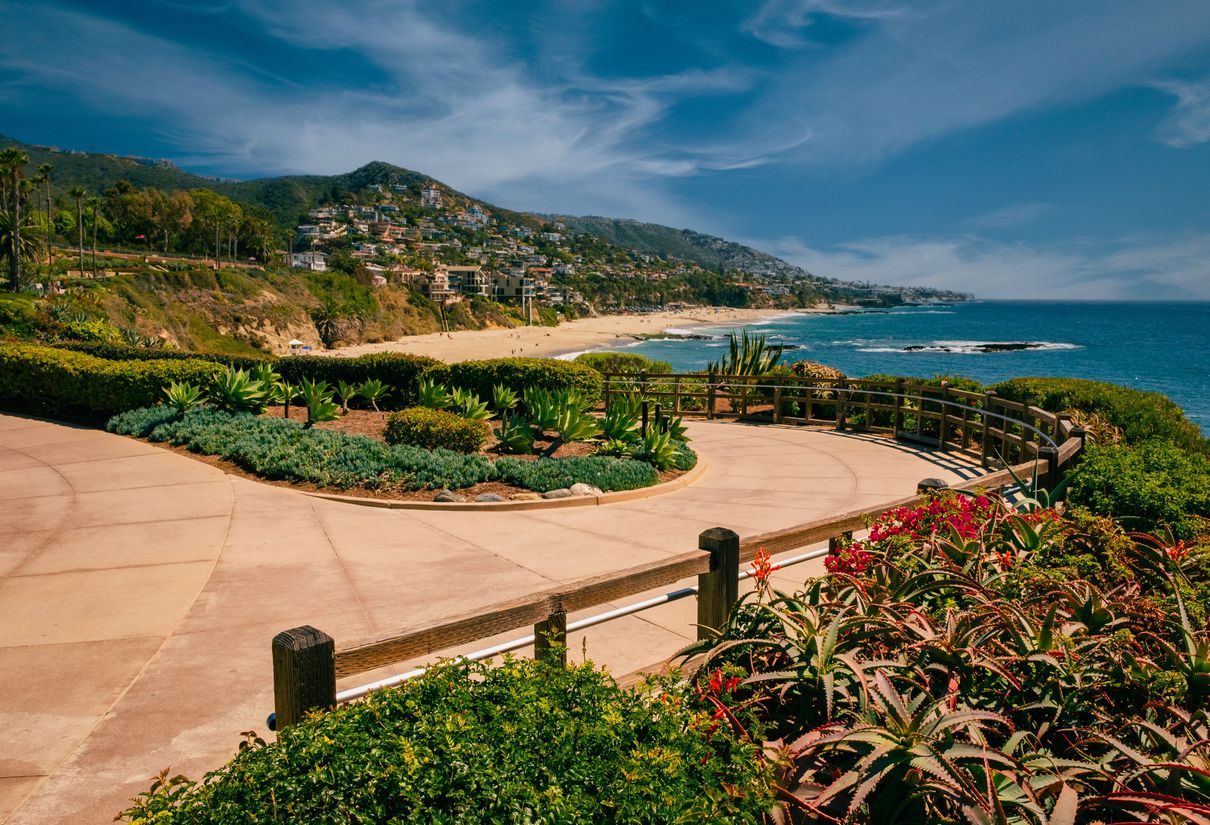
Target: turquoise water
1161 347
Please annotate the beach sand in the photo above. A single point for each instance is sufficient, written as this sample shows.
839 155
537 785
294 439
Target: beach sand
607 331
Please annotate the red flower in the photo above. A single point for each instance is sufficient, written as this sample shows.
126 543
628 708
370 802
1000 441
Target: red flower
762 567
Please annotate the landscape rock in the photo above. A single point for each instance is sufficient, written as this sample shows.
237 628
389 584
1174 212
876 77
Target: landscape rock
562 492
489 497
582 489
526 497
448 495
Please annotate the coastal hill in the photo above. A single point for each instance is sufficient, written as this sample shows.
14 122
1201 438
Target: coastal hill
289 199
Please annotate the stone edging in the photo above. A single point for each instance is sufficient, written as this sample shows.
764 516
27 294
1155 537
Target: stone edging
506 506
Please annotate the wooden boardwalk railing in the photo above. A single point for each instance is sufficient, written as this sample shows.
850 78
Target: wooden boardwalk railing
981 425
307 662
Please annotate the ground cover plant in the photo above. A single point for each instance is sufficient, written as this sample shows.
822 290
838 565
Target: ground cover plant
973 663
469 743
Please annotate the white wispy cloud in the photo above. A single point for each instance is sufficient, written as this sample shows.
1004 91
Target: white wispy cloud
1175 267
784 22
1011 216
1189 122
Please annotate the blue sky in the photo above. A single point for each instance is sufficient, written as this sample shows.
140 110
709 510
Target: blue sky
1012 149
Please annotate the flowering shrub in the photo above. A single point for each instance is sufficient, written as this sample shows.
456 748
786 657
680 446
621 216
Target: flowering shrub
972 663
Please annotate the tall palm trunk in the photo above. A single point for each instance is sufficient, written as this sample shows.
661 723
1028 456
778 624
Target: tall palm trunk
14 253
80 226
94 242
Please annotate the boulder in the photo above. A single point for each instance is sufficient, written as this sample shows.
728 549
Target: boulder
582 489
526 497
562 492
448 496
483 497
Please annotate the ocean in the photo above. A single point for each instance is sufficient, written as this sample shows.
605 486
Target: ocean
1160 347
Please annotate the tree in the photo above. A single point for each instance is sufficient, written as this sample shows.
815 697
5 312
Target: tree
215 215
44 170
79 193
94 210
12 166
331 318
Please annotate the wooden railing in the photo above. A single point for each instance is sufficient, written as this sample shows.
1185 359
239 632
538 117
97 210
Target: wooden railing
981 425
307 662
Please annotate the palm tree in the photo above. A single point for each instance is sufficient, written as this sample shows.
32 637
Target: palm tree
331 319
44 170
94 209
79 192
12 164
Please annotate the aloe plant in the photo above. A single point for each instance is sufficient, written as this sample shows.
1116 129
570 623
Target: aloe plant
515 435
183 396
504 399
432 395
346 392
317 396
373 390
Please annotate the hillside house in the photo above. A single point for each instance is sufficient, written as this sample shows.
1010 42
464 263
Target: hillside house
310 261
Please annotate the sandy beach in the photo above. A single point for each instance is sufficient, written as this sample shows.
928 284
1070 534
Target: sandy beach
571 337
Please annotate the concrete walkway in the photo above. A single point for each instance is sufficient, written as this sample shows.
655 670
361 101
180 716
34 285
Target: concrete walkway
139 589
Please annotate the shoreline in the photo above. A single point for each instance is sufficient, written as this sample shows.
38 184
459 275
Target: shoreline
570 338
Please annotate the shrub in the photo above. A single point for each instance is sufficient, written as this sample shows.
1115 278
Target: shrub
424 427
473 744
1144 486
114 351
683 458
1140 415
396 369
276 448
622 362
604 472
66 384
102 331
518 374
142 421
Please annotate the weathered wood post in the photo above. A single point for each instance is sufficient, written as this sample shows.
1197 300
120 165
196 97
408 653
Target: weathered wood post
550 639
608 380
1053 474
986 442
676 396
718 589
1081 434
659 418
643 426
842 401
710 391
777 401
966 424
836 543
897 423
304 674
943 424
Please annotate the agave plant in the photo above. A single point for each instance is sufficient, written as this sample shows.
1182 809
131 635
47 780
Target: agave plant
504 399
346 392
432 395
467 404
749 355
234 390
183 396
542 407
573 424
373 390
621 422
317 396
657 449
515 435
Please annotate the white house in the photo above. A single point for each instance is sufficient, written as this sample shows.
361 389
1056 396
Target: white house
312 261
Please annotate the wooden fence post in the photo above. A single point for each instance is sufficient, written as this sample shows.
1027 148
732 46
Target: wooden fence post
550 639
1077 432
304 674
897 423
842 400
717 590
943 424
608 380
985 447
710 390
836 543
777 402
1053 473
643 426
676 396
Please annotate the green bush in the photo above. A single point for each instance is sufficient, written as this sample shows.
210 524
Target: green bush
622 362
18 316
276 448
114 351
604 472
101 331
66 384
472 744
424 427
1142 416
396 369
517 374
1144 486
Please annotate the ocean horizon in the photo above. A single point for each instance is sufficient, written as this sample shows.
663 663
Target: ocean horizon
1155 346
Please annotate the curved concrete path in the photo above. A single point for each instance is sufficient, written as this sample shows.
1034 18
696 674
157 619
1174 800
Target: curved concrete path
139 589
